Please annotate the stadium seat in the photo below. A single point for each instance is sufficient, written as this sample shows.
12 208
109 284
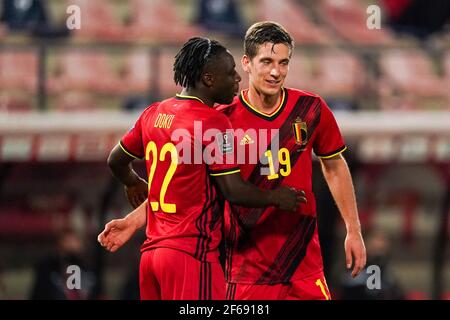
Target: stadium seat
294 19
76 102
137 72
403 102
14 102
158 20
330 74
300 74
99 21
339 73
166 85
16 222
410 72
84 70
18 70
349 19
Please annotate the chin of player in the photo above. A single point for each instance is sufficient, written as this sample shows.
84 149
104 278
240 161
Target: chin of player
272 90
229 99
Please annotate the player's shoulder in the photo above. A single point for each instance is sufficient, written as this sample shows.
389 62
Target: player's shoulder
151 107
216 114
147 113
297 93
228 109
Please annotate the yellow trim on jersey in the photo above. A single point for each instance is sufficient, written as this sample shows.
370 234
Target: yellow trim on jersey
334 154
224 173
189 97
263 113
124 150
322 288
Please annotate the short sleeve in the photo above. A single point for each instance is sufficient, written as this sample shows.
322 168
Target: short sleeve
329 141
131 142
220 150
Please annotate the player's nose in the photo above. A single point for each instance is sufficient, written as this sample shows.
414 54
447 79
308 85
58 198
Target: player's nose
275 72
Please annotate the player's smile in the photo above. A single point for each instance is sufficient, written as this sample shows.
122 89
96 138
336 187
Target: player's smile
273 83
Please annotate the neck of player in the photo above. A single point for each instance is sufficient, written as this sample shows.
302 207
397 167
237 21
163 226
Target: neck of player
262 102
198 94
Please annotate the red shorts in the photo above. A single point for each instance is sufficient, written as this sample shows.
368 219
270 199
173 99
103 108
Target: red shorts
168 274
310 288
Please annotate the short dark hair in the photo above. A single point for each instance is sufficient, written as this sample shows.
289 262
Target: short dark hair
191 60
265 31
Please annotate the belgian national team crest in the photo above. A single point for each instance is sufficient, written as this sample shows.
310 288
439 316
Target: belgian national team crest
300 131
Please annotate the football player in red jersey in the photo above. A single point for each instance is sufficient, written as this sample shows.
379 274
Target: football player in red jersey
272 254
179 259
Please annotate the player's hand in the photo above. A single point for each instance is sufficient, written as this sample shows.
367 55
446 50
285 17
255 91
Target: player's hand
116 234
355 252
137 193
287 198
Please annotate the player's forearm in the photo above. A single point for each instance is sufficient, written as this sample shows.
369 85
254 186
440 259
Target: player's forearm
138 217
247 195
339 180
242 193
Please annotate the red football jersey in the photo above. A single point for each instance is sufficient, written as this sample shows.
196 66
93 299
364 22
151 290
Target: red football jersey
268 245
173 137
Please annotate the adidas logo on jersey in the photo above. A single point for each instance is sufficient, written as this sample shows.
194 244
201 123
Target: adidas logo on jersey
246 140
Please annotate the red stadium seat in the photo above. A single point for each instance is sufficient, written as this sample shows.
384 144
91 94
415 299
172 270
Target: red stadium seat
330 74
18 70
410 72
137 72
98 21
75 102
18 223
294 19
349 19
157 20
84 70
166 85
404 102
14 102
339 73
300 74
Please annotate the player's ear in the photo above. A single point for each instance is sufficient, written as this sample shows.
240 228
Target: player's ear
208 79
245 61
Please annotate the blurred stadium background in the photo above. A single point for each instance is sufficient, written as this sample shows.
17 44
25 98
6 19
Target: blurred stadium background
67 97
